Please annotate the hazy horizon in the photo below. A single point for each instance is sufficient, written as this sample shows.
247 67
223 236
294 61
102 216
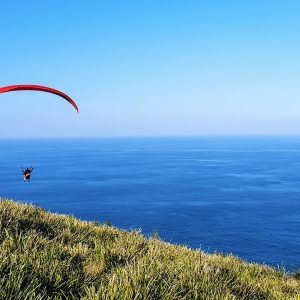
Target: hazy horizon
202 136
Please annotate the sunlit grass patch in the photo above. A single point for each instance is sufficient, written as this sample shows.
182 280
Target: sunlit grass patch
50 256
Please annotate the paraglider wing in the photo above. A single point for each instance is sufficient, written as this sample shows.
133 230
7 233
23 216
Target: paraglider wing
40 88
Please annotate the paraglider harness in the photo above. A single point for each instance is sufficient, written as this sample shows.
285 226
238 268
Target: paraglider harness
26 173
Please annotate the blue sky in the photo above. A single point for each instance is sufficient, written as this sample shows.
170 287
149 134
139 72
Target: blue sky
151 68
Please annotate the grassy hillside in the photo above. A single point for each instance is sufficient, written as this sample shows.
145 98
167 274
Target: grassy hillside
50 256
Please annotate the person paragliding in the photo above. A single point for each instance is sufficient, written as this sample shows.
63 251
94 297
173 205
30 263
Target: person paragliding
38 88
26 173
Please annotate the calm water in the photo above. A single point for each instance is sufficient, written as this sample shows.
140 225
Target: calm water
233 195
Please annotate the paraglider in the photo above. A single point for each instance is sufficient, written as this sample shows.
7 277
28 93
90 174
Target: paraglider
39 88
31 87
26 173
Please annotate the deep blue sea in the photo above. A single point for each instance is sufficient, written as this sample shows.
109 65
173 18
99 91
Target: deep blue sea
237 195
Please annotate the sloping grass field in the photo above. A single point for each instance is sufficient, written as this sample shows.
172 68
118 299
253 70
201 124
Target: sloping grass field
50 256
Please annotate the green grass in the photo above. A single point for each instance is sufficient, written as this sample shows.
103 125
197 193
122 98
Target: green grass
50 256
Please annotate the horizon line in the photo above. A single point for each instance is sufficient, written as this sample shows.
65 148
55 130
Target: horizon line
246 135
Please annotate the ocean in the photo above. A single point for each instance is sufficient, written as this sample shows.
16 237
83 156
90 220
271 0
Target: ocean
237 195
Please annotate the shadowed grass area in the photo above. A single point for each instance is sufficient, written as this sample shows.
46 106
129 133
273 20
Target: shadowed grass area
50 256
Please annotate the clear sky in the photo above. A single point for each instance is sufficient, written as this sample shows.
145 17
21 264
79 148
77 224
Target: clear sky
151 67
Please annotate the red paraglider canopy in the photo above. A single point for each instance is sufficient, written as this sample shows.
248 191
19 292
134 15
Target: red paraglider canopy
40 88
